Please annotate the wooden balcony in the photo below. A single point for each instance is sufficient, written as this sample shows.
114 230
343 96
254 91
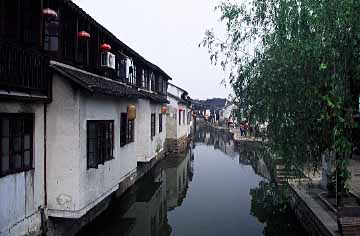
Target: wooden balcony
24 71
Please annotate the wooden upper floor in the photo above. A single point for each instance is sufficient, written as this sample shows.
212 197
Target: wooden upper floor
34 32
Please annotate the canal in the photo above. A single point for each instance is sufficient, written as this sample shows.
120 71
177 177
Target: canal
214 189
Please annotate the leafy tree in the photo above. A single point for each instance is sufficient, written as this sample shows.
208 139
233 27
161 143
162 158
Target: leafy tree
295 64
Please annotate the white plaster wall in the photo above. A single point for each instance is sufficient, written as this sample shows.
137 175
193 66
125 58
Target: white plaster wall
183 129
72 188
143 130
174 130
171 123
145 146
158 141
95 184
22 194
63 150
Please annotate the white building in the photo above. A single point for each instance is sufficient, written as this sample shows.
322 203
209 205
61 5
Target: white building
23 98
92 144
179 119
75 129
228 113
22 165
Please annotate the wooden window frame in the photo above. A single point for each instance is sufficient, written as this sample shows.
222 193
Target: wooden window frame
160 123
13 117
184 117
100 158
127 130
153 125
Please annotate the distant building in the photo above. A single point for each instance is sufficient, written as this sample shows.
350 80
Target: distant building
179 119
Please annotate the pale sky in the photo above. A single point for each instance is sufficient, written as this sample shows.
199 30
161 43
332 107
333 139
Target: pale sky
167 33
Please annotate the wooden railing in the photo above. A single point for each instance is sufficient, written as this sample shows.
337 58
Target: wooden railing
23 70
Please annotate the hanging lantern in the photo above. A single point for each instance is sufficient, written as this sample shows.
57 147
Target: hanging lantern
105 47
131 110
163 109
49 13
83 35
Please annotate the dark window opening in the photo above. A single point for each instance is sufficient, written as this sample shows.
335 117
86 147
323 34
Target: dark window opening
30 16
164 87
179 117
127 130
153 123
16 143
51 32
82 56
69 35
160 84
9 19
152 81
160 123
100 142
121 66
184 117
131 71
145 79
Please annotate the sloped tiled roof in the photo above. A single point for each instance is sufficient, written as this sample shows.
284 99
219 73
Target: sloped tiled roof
101 85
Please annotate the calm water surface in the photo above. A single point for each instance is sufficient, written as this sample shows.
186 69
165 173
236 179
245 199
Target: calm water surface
214 189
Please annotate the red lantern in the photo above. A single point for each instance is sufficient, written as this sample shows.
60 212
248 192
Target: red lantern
83 35
163 109
49 13
105 47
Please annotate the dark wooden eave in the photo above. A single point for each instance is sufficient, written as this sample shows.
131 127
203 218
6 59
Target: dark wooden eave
102 29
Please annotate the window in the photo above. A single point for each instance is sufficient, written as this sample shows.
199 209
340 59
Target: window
30 22
131 71
184 117
82 56
164 87
145 79
51 34
16 143
121 66
100 142
152 81
69 35
160 123
179 117
160 84
127 130
152 125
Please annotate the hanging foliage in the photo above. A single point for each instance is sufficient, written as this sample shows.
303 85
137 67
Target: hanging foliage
294 65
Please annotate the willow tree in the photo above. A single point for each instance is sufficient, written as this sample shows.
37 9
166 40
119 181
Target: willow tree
295 64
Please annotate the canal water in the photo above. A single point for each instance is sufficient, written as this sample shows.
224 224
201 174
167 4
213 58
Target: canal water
214 189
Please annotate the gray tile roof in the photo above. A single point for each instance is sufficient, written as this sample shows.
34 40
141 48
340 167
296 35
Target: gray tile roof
101 85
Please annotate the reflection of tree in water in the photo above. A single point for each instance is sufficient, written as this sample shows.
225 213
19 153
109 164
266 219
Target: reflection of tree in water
270 207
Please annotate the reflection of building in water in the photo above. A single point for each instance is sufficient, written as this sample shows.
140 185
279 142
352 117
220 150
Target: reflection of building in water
255 158
149 210
178 172
221 140
141 211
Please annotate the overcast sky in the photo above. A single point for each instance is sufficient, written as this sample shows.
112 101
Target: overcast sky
167 33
